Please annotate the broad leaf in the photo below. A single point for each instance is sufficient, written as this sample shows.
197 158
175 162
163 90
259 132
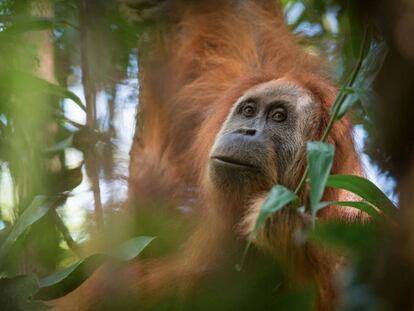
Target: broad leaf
36 210
62 145
365 207
17 294
362 87
131 248
352 238
22 24
55 89
66 180
63 282
320 160
296 300
364 189
278 198
37 85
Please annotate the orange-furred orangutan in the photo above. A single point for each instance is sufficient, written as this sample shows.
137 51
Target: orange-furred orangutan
227 102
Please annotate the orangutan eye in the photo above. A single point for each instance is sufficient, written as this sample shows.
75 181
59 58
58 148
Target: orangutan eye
248 110
279 115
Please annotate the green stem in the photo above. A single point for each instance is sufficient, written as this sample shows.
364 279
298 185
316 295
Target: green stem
342 96
340 99
336 108
65 233
302 180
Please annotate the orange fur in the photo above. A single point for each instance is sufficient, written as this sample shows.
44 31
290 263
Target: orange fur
192 70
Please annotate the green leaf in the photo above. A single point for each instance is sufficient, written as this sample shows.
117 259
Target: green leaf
36 210
56 90
278 198
320 160
59 276
131 248
35 84
362 87
348 102
22 24
365 207
66 180
63 282
363 188
352 238
363 95
356 28
373 63
296 300
62 145
17 294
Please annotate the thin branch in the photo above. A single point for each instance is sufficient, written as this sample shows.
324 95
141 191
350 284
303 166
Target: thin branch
340 99
65 233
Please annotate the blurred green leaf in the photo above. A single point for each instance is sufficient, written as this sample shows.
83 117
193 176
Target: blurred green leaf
86 137
16 294
66 180
35 84
3 141
296 300
62 145
365 96
361 205
36 210
373 63
131 248
320 6
21 24
54 89
320 160
277 199
362 87
353 238
62 282
62 228
356 32
364 189
352 30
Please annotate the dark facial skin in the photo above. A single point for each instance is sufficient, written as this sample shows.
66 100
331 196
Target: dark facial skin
263 137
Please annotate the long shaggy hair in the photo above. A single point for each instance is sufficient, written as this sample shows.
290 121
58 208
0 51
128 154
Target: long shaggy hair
193 67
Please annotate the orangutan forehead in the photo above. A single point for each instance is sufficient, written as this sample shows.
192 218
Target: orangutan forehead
280 89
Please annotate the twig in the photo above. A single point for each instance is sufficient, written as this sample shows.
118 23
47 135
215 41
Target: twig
340 99
65 233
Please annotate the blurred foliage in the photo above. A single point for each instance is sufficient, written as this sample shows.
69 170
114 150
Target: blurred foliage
94 49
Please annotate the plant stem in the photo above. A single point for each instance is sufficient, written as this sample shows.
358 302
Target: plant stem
65 232
340 98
